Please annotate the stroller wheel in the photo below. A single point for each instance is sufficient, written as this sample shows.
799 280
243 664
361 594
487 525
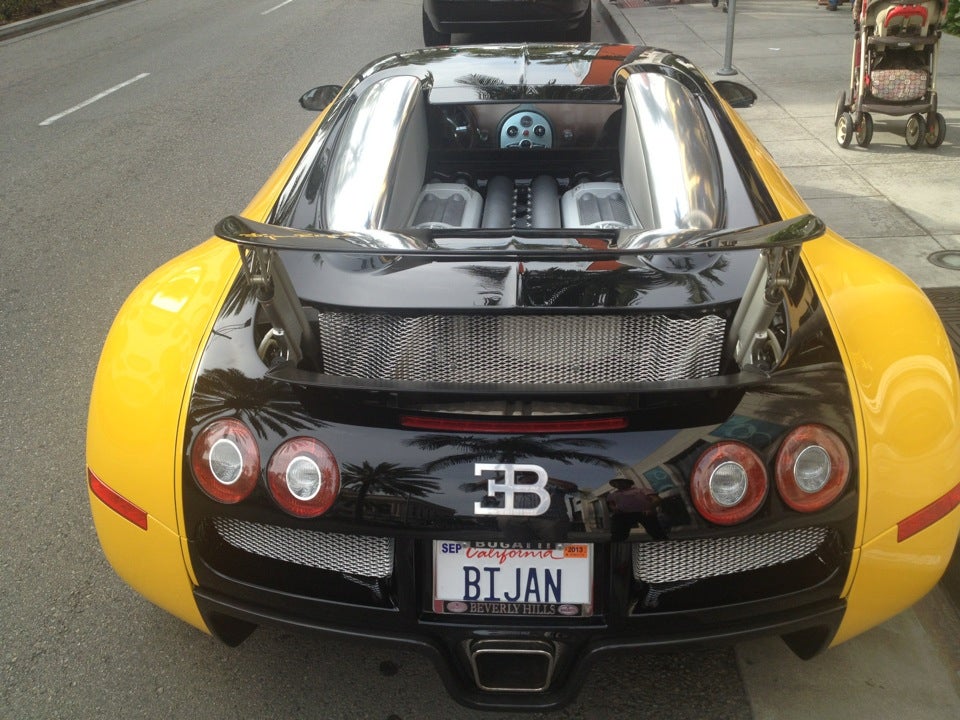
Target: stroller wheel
936 130
841 106
844 130
916 129
865 130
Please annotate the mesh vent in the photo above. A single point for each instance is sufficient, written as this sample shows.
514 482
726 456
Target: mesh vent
370 557
521 348
684 560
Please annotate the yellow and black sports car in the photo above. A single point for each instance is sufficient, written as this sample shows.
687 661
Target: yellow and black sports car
527 353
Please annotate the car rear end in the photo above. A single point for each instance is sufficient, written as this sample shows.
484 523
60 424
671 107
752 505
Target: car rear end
516 489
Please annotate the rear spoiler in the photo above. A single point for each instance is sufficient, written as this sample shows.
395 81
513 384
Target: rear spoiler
525 245
259 245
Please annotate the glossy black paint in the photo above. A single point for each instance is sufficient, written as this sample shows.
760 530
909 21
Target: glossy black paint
364 427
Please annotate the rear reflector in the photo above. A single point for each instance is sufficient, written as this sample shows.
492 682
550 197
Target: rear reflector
116 502
512 426
922 519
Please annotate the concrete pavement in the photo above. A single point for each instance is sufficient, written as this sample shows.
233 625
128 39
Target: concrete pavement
900 204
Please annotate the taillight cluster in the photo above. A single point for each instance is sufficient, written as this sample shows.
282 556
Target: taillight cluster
730 481
303 476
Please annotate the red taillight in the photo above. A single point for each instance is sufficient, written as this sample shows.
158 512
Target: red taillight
728 483
813 467
116 502
226 461
303 477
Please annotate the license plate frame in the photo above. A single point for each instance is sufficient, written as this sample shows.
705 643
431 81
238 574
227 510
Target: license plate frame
514 579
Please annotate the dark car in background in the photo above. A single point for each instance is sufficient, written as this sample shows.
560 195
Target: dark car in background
561 19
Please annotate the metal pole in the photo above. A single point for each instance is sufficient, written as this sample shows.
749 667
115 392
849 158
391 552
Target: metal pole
727 68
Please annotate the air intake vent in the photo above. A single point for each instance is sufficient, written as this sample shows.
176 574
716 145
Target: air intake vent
690 560
521 348
370 557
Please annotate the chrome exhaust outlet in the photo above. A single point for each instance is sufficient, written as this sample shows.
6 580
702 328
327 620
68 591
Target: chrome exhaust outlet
512 665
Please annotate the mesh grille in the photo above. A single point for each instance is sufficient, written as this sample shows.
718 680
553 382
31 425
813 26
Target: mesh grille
683 560
349 554
521 348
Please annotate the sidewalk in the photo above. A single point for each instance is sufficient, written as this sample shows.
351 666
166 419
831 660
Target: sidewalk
900 204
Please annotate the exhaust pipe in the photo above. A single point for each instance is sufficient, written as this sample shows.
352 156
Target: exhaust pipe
512 665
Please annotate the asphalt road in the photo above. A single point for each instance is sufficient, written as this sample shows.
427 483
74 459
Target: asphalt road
125 136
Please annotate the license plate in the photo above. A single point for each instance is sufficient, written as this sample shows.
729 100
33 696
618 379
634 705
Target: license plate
505 579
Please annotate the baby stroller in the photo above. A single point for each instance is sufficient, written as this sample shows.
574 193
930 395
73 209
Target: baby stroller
894 71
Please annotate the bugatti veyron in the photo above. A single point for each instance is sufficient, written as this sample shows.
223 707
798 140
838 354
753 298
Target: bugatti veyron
526 353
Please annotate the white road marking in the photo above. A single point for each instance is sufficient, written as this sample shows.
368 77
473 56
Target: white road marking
53 118
276 7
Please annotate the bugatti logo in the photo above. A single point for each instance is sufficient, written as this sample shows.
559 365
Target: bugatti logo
509 488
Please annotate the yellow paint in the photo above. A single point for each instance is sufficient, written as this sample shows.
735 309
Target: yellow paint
133 425
892 576
148 560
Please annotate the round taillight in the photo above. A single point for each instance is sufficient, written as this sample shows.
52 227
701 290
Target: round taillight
226 461
303 477
728 483
813 467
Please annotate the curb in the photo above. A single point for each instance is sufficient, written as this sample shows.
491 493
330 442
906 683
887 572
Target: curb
41 22
613 25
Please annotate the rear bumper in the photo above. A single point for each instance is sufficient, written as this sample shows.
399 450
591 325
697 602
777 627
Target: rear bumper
455 648
478 655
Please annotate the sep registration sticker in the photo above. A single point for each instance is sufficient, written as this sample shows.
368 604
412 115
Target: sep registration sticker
523 579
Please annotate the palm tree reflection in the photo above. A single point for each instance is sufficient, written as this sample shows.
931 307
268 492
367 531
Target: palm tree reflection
263 404
554 524
511 449
387 478
626 285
